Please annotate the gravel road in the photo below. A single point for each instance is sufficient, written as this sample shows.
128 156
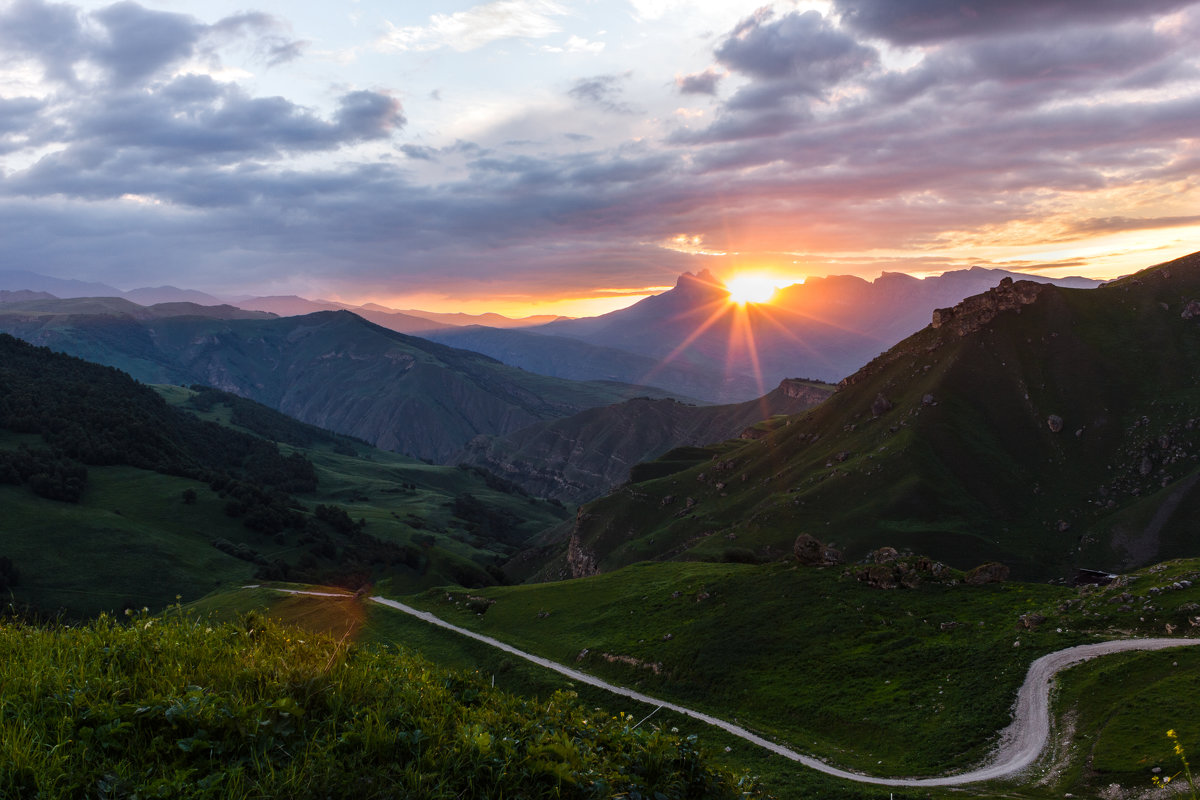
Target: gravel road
1020 743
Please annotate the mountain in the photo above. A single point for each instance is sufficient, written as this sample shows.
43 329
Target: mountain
332 369
15 279
23 296
1044 427
459 319
117 494
49 306
581 457
148 296
563 357
824 328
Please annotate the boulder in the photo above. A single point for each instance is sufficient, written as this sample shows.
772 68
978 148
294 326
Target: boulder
1054 422
884 555
881 405
991 572
1191 310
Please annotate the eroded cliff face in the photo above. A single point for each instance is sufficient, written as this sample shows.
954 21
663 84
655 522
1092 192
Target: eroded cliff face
975 312
580 561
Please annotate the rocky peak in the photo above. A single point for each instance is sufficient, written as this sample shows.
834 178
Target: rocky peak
976 311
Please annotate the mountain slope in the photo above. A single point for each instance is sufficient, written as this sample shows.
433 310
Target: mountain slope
581 457
331 369
1048 428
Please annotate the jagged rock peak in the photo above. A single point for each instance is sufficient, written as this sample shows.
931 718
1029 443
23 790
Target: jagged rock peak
703 282
975 312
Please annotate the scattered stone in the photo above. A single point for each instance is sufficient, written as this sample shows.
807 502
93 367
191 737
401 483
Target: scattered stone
927 399
1031 621
1191 310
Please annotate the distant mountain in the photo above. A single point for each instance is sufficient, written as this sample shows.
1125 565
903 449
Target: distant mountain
332 369
285 305
119 306
490 320
14 279
23 296
148 296
581 457
824 328
564 357
1044 427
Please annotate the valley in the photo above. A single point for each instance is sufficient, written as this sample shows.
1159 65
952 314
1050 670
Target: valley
911 534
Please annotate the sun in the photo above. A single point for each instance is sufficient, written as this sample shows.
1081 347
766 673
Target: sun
751 288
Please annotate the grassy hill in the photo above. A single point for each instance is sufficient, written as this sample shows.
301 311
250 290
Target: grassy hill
915 680
115 497
179 708
1048 428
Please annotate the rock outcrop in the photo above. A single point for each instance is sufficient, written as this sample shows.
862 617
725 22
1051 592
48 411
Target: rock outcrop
975 312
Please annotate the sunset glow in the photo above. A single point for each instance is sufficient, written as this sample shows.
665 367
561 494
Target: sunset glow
751 288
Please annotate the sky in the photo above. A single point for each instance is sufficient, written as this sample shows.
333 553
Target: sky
572 156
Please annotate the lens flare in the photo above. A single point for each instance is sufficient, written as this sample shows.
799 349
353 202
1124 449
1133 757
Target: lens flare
750 288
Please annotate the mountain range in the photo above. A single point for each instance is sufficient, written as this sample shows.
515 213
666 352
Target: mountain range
1044 427
332 369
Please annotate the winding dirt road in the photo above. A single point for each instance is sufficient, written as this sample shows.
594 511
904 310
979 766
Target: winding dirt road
1020 743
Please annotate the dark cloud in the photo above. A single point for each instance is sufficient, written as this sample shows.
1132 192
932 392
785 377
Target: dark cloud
129 43
700 82
926 21
1117 224
603 91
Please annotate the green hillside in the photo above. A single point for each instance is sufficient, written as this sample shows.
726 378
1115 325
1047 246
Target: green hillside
115 498
177 708
1044 427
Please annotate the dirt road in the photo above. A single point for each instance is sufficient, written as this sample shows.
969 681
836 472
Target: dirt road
1020 743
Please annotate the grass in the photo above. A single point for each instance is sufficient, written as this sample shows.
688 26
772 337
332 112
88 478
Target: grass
895 682
171 707
131 541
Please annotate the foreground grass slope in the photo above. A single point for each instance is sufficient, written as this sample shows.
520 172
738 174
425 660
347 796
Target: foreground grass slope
171 708
1047 428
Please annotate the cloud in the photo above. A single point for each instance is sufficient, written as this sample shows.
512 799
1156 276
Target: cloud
798 55
128 43
700 82
602 91
479 26
926 21
1118 224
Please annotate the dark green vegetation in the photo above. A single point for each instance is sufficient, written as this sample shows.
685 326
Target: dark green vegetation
114 497
1047 428
581 457
171 708
332 369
